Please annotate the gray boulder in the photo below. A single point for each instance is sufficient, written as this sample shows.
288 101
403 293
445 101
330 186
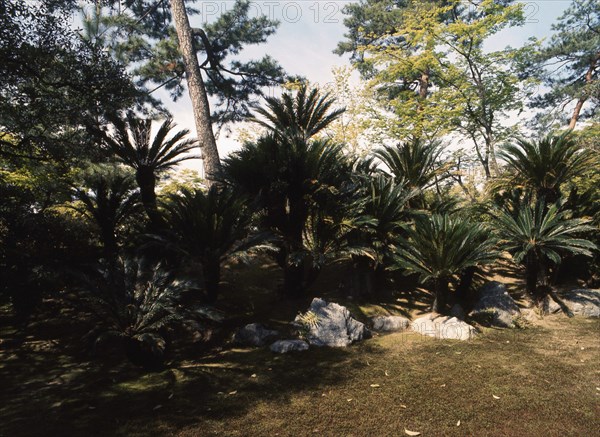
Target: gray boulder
254 334
285 346
443 327
330 324
390 323
580 302
495 307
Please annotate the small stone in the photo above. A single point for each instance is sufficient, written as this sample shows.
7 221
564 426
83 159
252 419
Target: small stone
390 323
285 346
254 334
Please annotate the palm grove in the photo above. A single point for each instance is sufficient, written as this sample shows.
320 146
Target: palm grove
92 214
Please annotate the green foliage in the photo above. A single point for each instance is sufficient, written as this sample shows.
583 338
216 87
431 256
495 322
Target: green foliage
132 143
135 302
568 65
289 175
107 198
141 36
52 83
299 117
209 227
538 236
417 162
543 166
440 246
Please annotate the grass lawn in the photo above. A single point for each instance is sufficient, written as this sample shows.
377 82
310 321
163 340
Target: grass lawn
546 380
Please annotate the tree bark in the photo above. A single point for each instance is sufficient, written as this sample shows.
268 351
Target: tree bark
197 91
583 99
441 294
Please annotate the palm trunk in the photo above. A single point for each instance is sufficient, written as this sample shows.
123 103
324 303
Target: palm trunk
147 183
441 294
197 91
462 291
212 278
531 273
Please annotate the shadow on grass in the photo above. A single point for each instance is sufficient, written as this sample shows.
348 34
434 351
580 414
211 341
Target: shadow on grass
48 387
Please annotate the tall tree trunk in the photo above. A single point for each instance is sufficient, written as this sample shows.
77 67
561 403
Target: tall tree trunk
200 106
583 99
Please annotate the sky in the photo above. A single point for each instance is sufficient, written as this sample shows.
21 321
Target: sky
310 30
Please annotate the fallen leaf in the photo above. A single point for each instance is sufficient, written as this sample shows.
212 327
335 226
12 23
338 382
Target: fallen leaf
159 406
458 423
496 397
349 400
458 353
386 373
375 385
411 432
443 385
403 406
233 392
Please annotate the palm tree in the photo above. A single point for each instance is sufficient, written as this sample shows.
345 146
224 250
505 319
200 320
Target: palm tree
379 216
131 142
209 227
543 166
537 236
440 246
415 162
299 117
107 198
133 301
288 174
287 181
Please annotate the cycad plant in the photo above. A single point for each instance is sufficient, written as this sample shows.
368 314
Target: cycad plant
441 246
300 117
416 163
289 175
107 197
135 303
538 237
132 142
541 167
380 214
208 227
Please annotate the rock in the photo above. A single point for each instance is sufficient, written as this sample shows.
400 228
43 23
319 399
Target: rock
285 346
390 323
330 324
581 302
495 306
254 334
443 327
457 311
